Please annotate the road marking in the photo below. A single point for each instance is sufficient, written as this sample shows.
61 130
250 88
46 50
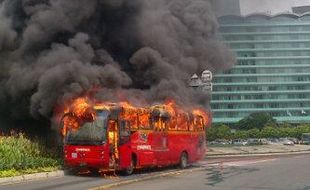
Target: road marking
242 162
143 178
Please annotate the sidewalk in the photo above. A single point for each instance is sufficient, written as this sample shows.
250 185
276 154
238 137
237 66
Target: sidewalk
259 149
31 177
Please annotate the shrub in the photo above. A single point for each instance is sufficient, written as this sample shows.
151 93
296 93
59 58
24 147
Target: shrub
270 130
19 153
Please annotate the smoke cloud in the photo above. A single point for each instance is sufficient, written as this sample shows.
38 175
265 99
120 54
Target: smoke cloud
54 50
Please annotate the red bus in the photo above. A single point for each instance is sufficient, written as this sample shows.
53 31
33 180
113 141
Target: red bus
121 138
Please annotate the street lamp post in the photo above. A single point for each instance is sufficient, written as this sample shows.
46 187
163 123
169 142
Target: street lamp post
204 83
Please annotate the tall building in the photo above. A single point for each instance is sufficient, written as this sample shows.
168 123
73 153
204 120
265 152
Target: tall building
272 73
248 7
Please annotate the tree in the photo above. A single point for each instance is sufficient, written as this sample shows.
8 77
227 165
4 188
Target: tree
256 121
270 132
240 135
224 132
218 131
211 133
254 133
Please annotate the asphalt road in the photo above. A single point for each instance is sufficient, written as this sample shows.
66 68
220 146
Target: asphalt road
87 181
264 174
282 173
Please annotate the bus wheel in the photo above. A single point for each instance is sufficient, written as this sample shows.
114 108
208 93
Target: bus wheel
94 171
71 171
183 160
129 170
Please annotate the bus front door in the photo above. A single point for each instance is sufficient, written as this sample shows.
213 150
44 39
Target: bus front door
125 160
113 138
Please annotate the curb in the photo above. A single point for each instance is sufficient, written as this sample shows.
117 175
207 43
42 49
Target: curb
130 181
257 154
31 177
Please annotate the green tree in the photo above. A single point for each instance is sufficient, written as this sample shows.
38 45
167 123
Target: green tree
285 124
270 132
218 131
254 133
240 134
256 120
224 132
211 134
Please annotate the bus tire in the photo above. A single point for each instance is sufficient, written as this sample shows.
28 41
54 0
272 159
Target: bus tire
94 171
183 160
71 171
129 170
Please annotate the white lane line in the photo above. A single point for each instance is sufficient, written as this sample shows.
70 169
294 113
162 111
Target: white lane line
244 163
241 163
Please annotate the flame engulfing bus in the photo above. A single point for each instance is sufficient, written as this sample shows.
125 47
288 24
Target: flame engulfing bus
120 137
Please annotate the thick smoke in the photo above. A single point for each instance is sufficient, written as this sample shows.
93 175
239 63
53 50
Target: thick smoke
54 50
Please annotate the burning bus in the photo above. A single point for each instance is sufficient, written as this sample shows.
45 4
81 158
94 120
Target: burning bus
121 137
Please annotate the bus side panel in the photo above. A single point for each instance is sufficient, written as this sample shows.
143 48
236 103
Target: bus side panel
198 146
125 156
192 136
179 142
174 147
202 146
143 147
146 158
161 148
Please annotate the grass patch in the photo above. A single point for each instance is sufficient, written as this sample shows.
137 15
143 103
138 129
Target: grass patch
20 155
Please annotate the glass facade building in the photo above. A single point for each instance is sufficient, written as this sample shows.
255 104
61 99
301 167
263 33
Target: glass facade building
272 73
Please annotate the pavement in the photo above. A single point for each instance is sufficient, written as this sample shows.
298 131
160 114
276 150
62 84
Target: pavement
31 177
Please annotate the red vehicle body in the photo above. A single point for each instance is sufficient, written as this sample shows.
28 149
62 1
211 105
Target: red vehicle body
148 138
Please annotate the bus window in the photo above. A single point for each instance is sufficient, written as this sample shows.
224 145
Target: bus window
156 123
134 122
165 123
144 121
124 132
198 123
182 122
172 124
160 123
191 124
130 116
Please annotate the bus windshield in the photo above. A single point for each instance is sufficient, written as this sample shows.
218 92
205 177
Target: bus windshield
90 133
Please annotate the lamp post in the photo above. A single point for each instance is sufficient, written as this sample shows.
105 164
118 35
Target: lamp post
204 83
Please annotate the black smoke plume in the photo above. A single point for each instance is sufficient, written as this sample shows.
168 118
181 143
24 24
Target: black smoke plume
54 50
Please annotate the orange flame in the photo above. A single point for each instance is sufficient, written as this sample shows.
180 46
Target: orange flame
203 114
76 113
82 110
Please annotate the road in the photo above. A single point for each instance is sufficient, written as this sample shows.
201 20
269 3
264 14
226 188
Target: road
281 173
290 173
